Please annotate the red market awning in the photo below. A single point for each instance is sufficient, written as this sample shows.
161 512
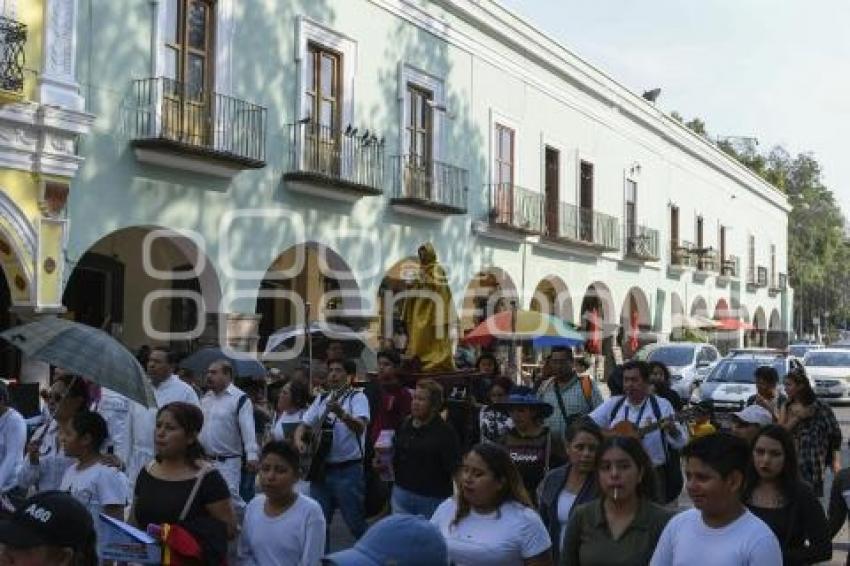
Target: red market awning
733 324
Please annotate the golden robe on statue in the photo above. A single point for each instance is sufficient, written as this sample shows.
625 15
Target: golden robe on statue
428 316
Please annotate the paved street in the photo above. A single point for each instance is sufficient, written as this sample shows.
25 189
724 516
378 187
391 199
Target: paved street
340 538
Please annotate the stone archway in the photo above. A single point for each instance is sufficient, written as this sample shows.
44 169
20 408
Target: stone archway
489 292
308 281
759 332
635 322
553 297
147 285
776 335
699 307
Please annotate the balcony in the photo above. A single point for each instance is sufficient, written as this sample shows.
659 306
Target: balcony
584 227
730 266
761 278
681 256
13 37
329 163
778 284
516 209
641 242
428 188
751 278
707 260
186 127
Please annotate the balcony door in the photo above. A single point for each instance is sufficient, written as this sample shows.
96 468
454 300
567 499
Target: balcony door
420 135
323 94
504 174
585 202
552 187
631 216
187 93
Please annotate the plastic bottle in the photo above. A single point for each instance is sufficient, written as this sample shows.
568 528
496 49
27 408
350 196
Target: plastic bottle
384 452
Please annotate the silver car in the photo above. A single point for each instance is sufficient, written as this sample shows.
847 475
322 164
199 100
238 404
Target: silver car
687 361
830 368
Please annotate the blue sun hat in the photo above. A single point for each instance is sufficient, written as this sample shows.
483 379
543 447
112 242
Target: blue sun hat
406 540
522 396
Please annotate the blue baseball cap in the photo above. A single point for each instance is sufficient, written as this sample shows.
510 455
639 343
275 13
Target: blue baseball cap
403 540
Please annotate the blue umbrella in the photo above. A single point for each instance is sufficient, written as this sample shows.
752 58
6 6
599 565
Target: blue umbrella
201 360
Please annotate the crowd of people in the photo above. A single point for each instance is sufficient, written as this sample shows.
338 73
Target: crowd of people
481 471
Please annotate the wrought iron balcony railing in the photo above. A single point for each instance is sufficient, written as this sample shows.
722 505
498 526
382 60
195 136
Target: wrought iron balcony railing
346 157
13 38
191 118
429 184
761 280
516 208
730 266
641 242
681 254
707 259
585 226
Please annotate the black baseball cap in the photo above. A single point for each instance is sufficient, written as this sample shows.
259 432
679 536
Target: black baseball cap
50 518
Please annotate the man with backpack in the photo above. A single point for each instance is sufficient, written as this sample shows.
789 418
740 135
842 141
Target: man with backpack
637 413
572 395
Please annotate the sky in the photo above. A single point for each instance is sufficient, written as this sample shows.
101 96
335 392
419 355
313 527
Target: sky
776 70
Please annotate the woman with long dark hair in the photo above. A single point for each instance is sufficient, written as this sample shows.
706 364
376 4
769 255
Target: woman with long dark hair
495 423
622 527
814 428
775 494
166 491
565 488
491 520
292 402
659 377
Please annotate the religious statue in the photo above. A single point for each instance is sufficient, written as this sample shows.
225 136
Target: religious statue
428 314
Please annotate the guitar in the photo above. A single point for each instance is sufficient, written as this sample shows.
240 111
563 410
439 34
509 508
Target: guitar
318 444
628 428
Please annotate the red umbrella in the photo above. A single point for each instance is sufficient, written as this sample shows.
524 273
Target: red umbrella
594 343
634 344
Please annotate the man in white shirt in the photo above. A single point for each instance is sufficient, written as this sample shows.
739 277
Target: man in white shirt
642 409
720 531
136 445
345 412
228 431
13 440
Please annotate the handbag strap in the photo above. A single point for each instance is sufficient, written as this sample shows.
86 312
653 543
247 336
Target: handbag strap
195 488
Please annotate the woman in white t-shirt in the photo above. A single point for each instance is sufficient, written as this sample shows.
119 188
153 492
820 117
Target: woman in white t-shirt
101 488
282 527
491 520
292 402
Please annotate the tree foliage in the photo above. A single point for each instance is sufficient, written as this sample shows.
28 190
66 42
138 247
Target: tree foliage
817 249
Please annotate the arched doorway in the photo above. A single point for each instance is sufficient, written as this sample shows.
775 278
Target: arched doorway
759 333
391 300
599 320
552 297
726 336
491 291
635 322
776 335
308 277
147 285
699 307
677 317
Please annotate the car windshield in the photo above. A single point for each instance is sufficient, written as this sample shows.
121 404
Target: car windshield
672 356
827 359
742 370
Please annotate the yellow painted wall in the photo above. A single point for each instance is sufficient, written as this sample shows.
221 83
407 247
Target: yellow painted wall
31 14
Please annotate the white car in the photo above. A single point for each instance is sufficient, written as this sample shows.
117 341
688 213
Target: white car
687 361
830 368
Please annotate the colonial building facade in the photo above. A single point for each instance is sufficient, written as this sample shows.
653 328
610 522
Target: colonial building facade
250 157
42 116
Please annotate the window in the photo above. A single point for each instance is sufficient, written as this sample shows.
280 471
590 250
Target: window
586 201
773 282
674 226
420 128
504 156
631 208
552 187
751 260
722 238
188 70
700 232
323 87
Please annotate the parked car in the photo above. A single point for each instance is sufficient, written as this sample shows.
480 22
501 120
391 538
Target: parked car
687 362
732 381
830 368
800 350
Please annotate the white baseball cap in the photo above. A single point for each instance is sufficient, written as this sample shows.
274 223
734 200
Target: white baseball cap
755 414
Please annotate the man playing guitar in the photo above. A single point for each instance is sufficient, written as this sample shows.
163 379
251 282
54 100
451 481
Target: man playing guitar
641 409
337 421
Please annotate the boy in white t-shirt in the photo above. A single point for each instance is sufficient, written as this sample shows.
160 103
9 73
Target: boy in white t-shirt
720 531
101 488
282 527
